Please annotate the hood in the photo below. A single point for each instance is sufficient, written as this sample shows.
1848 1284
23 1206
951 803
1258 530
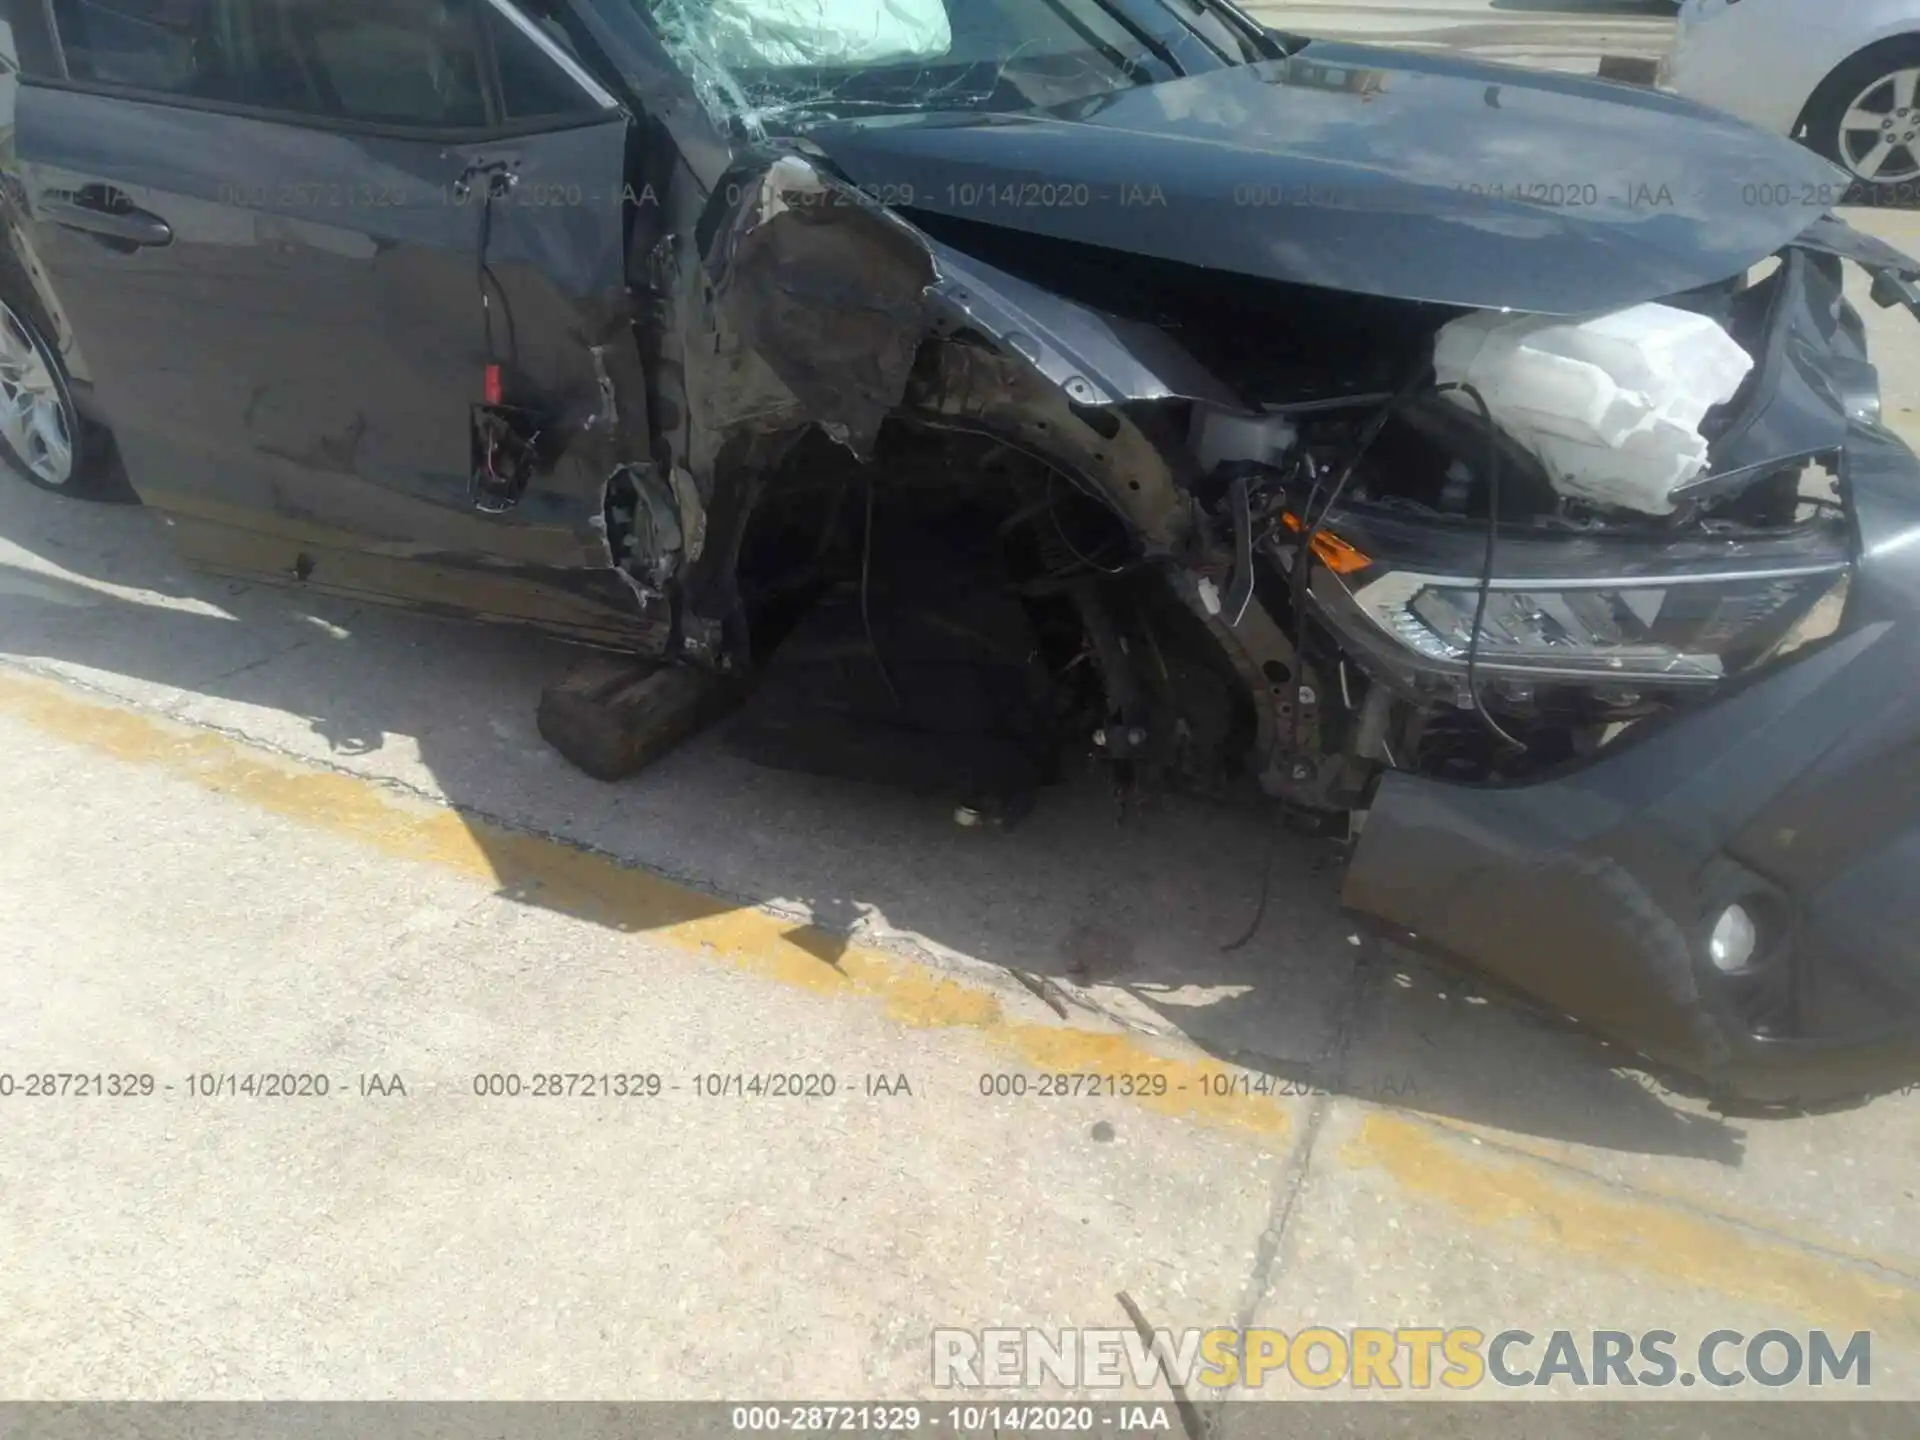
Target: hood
1376 171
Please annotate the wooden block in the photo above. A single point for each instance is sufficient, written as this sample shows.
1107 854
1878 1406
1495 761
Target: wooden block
615 715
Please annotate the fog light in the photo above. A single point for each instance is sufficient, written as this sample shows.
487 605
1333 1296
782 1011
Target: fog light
1734 939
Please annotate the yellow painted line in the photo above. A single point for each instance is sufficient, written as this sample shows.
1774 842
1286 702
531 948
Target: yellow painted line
1494 1190
1627 1233
1568 1157
600 889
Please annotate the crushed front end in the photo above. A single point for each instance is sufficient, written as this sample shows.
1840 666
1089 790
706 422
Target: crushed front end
1679 797
963 489
1669 790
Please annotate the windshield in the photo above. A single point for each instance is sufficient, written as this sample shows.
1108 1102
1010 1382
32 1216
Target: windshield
754 60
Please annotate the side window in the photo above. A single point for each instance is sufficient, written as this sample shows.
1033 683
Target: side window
434 64
532 85
146 44
396 62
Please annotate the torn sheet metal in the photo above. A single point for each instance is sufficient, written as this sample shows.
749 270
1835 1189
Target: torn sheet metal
828 288
644 533
1095 359
1104 449
861 317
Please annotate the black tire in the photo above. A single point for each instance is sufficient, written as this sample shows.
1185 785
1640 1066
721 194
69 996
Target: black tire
1858 79
90 473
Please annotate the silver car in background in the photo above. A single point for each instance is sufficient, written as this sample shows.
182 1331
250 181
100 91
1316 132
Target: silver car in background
1842 76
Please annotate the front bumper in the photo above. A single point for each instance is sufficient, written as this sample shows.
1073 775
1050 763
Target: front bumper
1596 893
1794 794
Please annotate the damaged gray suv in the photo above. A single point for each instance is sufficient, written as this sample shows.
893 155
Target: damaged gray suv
1486 463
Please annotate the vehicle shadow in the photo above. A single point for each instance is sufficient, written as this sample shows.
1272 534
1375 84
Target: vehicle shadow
1133 921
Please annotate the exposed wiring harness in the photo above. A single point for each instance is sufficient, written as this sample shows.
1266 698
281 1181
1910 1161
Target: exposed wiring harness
1312 523
1316 521
1310 529
866 615
498 179
1245 937
1053 514
495 434
1486 564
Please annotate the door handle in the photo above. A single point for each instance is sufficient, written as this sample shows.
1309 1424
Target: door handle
108 214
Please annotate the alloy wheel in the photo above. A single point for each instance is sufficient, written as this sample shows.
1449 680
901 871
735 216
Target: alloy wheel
34 415
1880 130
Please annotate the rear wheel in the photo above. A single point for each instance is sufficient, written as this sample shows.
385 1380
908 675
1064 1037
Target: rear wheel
1866 119
42 435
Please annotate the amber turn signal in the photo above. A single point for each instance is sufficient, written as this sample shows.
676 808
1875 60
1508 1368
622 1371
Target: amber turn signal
1336 554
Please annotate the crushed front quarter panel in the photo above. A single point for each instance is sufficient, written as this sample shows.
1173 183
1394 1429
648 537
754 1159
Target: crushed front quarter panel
829 289
861 317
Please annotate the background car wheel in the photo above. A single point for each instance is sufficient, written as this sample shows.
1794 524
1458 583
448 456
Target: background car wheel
42 435
1866 119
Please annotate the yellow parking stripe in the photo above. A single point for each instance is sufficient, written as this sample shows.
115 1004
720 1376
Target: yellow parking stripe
1494 1190
1624 1231
598 888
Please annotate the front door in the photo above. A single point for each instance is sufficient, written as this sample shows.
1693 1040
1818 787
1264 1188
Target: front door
301 244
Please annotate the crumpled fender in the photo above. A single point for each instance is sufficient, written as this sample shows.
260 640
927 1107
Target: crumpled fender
861 316
826 287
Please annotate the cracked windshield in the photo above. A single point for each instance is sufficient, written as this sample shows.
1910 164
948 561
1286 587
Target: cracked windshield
753 59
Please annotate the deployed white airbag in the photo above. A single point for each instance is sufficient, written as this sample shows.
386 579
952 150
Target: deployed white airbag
777 34
1612 405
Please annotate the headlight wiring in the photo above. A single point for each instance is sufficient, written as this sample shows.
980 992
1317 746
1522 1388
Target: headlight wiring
1486 565
1313 523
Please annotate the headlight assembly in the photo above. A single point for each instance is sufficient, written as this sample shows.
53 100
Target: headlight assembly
1672 631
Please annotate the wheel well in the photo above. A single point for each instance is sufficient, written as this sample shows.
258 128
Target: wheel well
97 471
810 515
1111 643
27 288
